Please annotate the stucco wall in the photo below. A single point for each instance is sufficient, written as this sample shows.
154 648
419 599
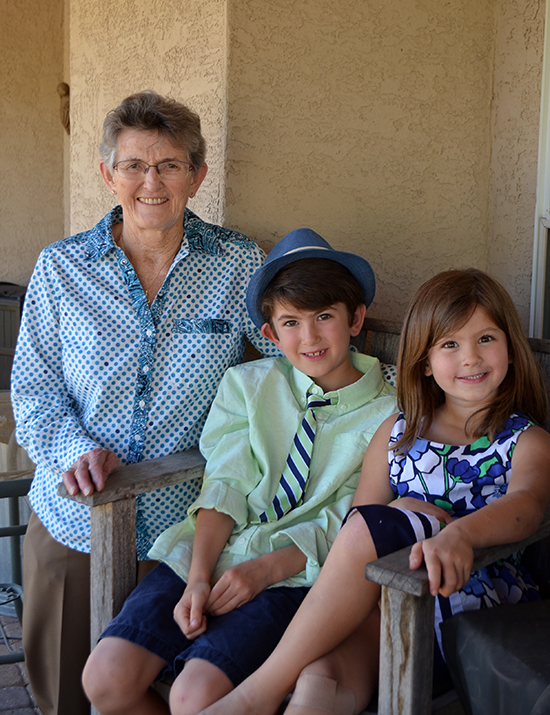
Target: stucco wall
31 135
373 124
404 131
174 47
517 88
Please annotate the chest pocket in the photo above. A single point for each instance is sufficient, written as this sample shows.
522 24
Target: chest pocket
201 325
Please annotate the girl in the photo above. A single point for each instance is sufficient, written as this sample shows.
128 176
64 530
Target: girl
469 468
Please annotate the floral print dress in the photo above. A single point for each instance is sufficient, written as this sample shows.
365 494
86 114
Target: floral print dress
459 479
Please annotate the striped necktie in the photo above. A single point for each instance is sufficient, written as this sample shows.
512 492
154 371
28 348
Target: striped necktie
295 474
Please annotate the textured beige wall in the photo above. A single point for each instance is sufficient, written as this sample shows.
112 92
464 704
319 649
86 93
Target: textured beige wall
372 123
31 135
517 88
404 131
177 48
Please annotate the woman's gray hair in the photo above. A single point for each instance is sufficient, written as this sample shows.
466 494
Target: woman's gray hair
150 111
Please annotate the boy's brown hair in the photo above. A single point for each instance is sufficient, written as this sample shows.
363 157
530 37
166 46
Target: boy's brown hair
312 284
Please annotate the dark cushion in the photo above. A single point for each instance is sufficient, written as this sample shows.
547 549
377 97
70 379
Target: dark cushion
499 659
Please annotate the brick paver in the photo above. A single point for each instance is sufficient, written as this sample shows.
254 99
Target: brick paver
15 693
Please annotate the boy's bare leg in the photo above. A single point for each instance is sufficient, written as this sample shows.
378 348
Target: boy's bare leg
338 603
198 685
117 679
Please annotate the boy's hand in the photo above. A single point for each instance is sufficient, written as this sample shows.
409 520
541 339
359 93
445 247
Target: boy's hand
189 612
448 557
238 585
423 507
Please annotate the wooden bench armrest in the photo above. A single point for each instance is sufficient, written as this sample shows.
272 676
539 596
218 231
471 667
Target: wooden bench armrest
393 570
133 479
113 527
406 630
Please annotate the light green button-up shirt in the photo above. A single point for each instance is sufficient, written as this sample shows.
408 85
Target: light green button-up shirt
246 441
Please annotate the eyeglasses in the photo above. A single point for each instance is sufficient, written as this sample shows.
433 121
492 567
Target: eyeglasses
173 169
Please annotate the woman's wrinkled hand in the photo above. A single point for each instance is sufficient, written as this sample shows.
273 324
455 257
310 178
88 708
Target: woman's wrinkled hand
90 471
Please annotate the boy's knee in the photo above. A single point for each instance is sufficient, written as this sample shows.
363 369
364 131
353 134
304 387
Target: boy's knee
199 685
109 680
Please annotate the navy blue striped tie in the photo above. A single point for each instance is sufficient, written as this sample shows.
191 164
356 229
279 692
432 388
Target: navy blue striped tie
292 485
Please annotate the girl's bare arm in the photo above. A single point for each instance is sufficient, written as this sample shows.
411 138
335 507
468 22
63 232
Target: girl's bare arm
512 517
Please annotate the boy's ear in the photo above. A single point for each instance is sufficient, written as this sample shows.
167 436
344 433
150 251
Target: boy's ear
268 332
428 369
358 319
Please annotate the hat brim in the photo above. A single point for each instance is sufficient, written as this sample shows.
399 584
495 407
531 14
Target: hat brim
356 265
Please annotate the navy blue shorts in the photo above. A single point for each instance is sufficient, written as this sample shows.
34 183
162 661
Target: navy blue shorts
237 642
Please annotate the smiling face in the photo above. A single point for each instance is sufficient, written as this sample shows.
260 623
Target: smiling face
151 202
316 342
470 363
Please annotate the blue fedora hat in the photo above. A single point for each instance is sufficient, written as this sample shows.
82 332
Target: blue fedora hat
296 246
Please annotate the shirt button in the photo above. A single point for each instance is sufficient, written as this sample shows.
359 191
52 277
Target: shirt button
148 332
241 540
314 390
343 407
146 368
141 404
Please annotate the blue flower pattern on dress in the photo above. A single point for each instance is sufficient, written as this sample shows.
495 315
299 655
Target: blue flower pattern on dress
462 479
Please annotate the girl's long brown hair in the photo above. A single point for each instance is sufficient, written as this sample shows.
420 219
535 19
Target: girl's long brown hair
440 306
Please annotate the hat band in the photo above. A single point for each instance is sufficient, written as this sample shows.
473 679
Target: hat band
307 248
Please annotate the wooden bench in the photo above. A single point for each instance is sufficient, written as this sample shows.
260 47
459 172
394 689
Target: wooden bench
407 607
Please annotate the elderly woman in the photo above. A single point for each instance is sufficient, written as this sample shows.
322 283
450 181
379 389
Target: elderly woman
127 330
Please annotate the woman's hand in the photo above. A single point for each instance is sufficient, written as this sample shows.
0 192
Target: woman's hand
448 557
423 507
90 471
189 612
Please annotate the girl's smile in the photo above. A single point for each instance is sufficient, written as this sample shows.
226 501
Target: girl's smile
470 363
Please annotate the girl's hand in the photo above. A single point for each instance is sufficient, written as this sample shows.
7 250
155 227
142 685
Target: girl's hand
189 612
424 507
238 585
448 557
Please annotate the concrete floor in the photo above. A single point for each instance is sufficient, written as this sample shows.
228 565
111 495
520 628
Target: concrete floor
15 694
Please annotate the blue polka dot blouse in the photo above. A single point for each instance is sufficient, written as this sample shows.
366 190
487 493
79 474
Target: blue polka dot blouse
95 366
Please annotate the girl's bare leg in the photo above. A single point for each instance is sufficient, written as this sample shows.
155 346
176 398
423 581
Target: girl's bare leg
353 666
338 603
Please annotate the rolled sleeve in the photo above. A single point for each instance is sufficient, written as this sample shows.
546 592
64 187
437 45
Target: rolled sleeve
222 497
232 470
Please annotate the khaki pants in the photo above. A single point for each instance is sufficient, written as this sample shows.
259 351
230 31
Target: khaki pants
56 621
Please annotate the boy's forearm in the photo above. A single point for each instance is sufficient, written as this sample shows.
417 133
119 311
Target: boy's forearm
212 530
284 563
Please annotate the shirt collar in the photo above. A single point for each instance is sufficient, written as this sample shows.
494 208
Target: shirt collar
99 240
367 388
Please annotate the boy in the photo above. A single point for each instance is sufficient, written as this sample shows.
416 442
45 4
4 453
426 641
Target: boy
284 443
